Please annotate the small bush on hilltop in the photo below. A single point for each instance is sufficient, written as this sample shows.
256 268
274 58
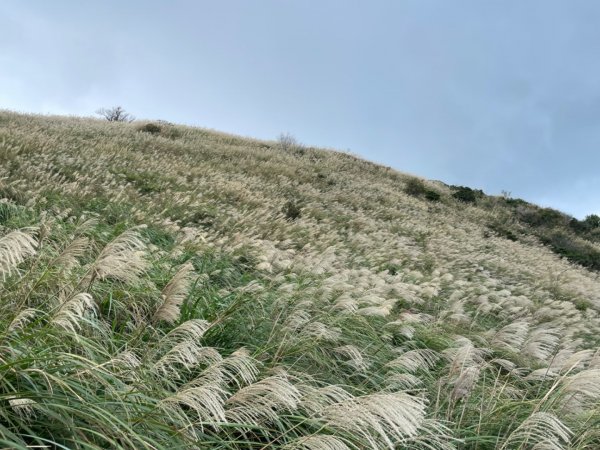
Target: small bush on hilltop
590 224
466 194
592 221
417 188
150 127
432 196
541 217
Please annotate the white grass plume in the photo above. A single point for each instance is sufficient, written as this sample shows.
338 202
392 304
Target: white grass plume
22 319
512 336
263 400
542 431
24 407
320 331
206 402
381 419
317 442
463 356
583 386
402 381
122 259
541 342
68 258
314 399
15 248
238 368
353 357
185 355
577 360
414 360
72 312
465 382
174 294
127 360
190 330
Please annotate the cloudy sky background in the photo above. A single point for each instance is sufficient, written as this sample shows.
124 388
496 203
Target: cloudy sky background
497 95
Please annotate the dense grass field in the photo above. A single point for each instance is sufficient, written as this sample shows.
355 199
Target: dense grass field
176 288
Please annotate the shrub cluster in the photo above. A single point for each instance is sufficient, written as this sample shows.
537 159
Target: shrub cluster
417 188
541 217
292 210
160 128
466 194
573 248
150 127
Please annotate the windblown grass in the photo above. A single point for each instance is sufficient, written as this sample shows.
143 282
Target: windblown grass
156 295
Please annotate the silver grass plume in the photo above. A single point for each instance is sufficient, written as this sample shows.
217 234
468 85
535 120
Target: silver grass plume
187 355
414 360
381 419
542 431
353 357
238 368
24 407
465 382
512 336
541 342
174 294
577 360
314 399
126 360
584 385
402 381
206 401
72 312
122 259
317 442
190 330
541 374
263 400
68 258
87 225
22 319
507 365
321 332
466 355
15 247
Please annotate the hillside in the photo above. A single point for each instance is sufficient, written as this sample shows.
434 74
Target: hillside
174 287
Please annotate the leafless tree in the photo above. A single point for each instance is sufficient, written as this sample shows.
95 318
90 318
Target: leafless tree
115 114
287 141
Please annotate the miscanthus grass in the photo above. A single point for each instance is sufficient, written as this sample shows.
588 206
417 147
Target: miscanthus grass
156 293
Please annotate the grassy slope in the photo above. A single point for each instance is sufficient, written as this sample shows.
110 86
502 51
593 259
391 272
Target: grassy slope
156 296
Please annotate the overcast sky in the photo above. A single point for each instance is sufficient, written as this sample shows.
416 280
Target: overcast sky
496 95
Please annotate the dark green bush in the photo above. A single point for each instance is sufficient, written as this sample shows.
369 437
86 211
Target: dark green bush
466 194
573 248
151 128
542 217
432 195
292 210
415 187
515 202
581 304
592 221
503 230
